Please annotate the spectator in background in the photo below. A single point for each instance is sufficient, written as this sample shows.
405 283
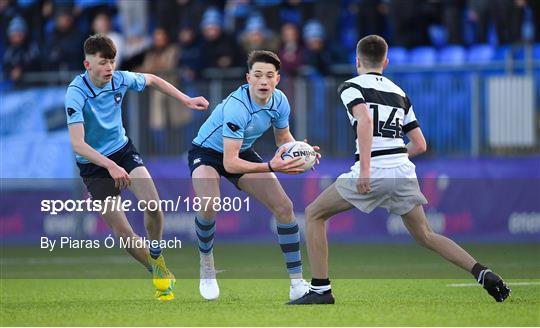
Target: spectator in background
452 18
270 10
297 11
21 55
170 14
479 14
30 11
191 10
371 16
44 24
535 7
189 61
161 60
291 51
506 15
8 11
236 14
218 49
61 50
328 14
516 12
102 24
84 11
165 13
134 22
408 22
318 58
257 37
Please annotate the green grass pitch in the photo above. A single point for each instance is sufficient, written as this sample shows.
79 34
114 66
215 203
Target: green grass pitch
374 285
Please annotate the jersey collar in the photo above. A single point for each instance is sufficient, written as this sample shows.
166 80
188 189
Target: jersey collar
374 73
268 106
91 87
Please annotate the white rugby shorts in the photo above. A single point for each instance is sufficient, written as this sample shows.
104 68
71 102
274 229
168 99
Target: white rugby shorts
393 188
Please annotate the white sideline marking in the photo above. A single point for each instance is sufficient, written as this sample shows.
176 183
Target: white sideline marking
525 283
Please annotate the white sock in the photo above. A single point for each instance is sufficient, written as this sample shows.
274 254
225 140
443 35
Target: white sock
207 267
296 281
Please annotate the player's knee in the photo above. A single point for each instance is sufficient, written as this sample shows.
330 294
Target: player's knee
310 212
313 213
155 213
284 210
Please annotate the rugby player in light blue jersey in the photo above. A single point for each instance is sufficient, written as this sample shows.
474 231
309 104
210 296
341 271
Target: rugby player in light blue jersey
107 159
223 147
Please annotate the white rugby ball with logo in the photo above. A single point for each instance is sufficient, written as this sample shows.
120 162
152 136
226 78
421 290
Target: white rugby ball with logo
295 149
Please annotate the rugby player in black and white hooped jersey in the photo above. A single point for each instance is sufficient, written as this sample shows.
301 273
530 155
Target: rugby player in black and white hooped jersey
382 176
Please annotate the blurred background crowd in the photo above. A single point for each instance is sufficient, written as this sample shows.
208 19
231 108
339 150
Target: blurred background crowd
193 36
471 69
444 54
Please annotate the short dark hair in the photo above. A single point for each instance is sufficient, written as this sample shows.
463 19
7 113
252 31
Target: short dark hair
100 43
263 56
372 50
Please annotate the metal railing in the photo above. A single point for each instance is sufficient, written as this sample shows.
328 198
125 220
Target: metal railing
453 105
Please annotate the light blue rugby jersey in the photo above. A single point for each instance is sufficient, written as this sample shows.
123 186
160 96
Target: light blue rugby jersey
240 117
100 109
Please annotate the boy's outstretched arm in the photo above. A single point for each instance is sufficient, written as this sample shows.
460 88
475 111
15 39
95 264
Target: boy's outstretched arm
198 103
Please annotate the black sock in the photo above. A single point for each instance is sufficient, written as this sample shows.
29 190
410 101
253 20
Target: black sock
320 286
320 282
477 269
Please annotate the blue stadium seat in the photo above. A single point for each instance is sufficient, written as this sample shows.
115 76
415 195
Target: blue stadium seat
502 53
423 56
397 55
452 55
481 54
536 51
521 52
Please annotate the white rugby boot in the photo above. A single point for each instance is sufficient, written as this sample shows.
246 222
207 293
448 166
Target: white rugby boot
299 287
208 286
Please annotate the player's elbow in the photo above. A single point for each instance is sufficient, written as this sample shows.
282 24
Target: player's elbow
422 146
77 145
150 79
364 119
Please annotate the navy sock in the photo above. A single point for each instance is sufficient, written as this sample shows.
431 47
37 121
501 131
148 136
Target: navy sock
205 234
289 241
477 270
320 286
320 282
155 252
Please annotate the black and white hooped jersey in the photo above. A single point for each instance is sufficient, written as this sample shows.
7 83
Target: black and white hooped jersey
392 114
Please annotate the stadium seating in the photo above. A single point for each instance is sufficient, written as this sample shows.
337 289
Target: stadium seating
480 54
536 51
452 55
423 56
522 52
502 53
397 55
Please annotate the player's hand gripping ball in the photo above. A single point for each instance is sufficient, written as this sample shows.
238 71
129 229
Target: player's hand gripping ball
295 149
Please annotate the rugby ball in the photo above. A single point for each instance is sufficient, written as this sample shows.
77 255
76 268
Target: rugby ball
295 149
